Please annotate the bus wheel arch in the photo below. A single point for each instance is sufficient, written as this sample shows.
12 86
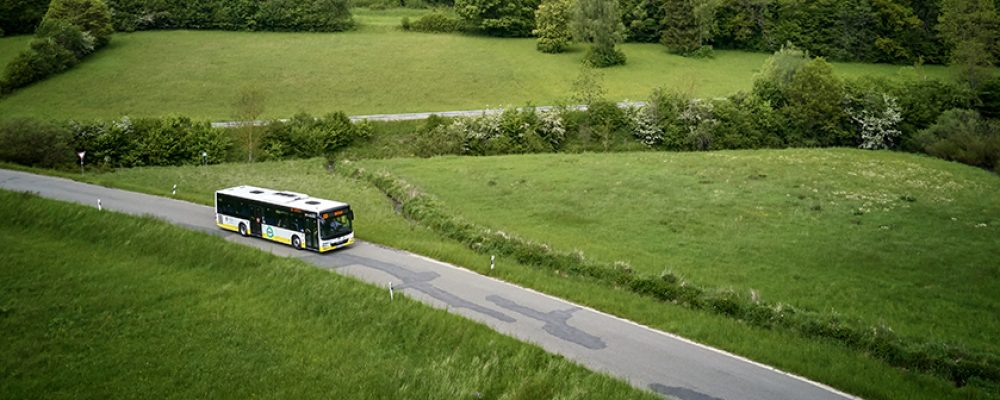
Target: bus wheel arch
296 242
243 229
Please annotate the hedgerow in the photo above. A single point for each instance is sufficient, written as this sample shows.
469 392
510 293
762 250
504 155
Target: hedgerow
137 142
955 364
437 21
303 136
236 15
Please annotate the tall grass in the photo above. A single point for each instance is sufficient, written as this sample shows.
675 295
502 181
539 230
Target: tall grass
825 361
101 305
895 239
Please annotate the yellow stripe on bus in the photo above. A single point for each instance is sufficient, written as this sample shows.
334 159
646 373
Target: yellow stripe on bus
328 248
227 226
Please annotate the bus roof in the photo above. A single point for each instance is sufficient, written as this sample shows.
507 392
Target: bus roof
283 198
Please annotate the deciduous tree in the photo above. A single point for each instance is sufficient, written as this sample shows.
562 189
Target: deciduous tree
970 28
552 26
91 16
599 22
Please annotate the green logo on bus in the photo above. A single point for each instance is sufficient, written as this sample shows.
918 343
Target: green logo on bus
270 232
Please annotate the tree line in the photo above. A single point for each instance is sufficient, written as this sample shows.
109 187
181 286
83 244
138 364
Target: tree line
892 31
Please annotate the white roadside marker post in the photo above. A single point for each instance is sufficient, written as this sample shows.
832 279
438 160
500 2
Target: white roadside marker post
81 154
173 192
493 260
390 290
99 205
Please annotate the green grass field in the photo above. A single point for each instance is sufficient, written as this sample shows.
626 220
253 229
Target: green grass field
821 360
897 239
375 69
102 305
10 46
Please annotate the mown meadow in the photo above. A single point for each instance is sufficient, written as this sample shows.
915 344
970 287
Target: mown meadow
377 68
378 221
102 305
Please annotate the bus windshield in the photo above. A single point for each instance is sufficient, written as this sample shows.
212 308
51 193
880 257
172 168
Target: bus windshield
334 226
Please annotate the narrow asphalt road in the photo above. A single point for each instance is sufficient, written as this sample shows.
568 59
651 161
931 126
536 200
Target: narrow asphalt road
647 358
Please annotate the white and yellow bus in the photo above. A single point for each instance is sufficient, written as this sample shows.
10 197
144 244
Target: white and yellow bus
292 218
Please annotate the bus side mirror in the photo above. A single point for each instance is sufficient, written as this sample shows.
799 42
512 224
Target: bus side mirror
350 215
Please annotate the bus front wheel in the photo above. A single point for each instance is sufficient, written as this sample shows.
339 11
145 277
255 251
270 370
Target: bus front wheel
296 242
243 229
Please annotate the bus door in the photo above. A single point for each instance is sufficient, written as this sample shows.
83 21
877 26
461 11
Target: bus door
257 216
312 234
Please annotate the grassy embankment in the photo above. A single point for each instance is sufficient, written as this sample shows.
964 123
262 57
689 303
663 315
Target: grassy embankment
103 305
822 360
375 69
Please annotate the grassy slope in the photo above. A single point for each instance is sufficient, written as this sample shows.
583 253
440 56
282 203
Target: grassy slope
100 305
784 223
10 46
377 69
826 362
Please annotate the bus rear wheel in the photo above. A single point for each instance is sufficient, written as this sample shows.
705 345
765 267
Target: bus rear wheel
243 229
296 242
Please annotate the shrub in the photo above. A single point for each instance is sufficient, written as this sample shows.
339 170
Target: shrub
745 122
241 15
436 137
642 19
599 23
304 136
607 126
511 131
680 27
602 57
296 15
699 119
964 136
91 16
771 83
505 18
876 117
68 36
667 107
552 26
35 143
439 21
151 141
921 103
989 99
645 125
705 51
814 112
43 58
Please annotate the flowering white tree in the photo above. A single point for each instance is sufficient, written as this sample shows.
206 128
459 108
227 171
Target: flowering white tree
646 125
878 122
699 117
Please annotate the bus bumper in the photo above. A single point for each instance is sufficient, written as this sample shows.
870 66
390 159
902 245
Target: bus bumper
329 247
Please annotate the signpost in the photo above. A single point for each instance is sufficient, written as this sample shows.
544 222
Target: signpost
81 154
